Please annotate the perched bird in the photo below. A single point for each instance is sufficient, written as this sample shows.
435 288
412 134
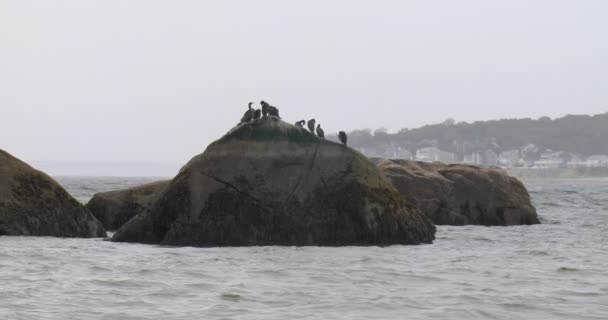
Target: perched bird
343 137
311 125
257 113
248 115
320 132
273 111
265 107
301 123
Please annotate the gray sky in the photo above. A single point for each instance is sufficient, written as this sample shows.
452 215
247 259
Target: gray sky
156 81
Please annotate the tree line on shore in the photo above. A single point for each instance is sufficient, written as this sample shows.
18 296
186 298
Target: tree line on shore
578 134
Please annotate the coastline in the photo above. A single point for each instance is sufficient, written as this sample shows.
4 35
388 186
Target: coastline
599 174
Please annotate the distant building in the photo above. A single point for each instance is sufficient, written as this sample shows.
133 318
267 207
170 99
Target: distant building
524 157
510 158
597 161
550 159
431 154
577 162
490 158
474 158
387 152
403 154
487 158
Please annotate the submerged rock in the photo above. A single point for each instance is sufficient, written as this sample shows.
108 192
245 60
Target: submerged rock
461 194
33 204
271 183
115 208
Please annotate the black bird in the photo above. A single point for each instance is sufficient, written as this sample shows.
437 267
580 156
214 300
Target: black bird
248 115
257 113
273 111
320 132
301 123
265 107
311 125
343 137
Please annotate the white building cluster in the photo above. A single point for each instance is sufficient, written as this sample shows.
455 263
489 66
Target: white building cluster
528 156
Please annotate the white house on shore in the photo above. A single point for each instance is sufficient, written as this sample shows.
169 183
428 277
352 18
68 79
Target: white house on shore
432 154
597 161
510 158
550 159
387 153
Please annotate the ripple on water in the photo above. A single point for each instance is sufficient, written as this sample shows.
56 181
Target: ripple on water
538 253
233 297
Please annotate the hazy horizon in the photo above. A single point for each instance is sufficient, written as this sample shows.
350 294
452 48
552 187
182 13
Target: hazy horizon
156 82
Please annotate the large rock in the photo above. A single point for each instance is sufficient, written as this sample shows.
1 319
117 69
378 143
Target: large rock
461 194
33 204
116 208
272 183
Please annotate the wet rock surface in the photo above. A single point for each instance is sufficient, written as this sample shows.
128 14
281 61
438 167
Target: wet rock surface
115 208
461 194
272 183
33 204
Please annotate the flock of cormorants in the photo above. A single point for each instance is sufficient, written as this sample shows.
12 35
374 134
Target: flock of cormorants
268 110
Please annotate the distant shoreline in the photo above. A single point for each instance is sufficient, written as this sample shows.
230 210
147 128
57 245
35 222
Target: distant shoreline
582 174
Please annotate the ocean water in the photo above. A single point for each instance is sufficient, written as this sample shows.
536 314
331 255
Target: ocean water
557 270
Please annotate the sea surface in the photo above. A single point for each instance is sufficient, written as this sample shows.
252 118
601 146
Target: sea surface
556 270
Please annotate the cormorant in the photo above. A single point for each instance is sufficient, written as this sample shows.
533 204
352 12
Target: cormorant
320 132
311 125
343 137
257 113
301 123
248 115
267 109
273 111
265 106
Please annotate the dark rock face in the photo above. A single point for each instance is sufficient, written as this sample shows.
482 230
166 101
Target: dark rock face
115 208
271 183
33 204
461 194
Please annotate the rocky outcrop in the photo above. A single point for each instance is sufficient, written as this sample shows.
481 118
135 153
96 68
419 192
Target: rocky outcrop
271 183
116 208
33 204
461 194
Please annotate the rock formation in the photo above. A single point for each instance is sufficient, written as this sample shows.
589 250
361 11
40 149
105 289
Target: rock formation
33 204
272 183
461 194
115 208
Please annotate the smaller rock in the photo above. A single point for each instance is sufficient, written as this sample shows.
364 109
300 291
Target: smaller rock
459 194
115 208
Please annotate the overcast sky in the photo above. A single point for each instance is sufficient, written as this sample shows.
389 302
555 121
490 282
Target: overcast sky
157 81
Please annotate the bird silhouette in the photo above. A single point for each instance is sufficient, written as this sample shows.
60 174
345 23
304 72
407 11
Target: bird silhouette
343 137
311 125
320 132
